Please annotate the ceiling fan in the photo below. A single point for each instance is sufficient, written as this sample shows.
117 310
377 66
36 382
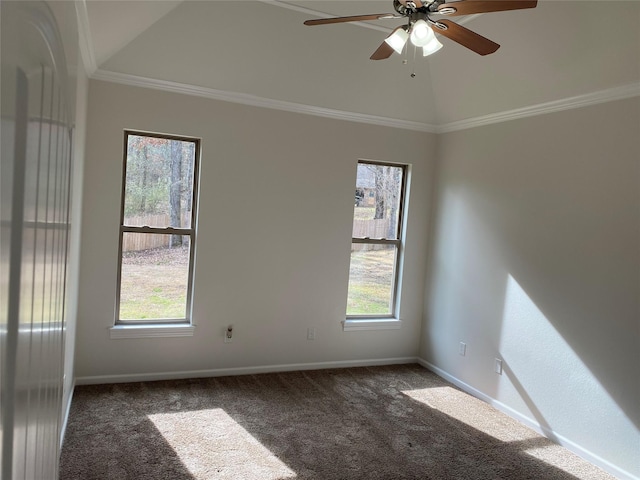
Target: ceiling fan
420 26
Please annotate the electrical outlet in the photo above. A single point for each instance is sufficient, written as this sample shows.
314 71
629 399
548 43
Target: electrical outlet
462 349
311 333
228 334
498 366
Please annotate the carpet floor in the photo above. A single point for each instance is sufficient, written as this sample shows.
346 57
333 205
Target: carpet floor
387 423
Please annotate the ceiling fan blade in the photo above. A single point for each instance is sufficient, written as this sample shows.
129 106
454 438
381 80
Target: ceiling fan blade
466 7
354 18
383 51
466 38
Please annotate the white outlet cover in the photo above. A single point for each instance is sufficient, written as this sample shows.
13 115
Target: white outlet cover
498 366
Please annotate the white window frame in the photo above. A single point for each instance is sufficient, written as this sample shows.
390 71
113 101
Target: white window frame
158 327
391 320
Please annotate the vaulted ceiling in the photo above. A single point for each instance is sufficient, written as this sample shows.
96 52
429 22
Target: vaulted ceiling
260 49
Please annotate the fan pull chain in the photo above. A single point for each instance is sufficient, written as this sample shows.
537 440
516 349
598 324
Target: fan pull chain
413 70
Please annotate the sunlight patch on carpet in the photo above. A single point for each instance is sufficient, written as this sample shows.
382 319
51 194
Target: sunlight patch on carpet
211 444
557 456
488 420
472 412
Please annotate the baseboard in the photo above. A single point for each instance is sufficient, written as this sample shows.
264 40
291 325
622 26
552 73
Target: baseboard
65 417
223 372
531 423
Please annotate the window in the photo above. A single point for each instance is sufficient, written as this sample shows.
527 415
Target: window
157 228
376 240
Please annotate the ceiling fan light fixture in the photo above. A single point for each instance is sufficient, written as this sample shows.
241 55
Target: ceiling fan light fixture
421 33
432 47
397 39
420 27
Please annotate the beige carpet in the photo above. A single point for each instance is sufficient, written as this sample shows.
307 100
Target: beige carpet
393 422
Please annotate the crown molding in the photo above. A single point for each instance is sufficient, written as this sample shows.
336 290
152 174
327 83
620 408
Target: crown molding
255 101
602 96
89 60
84 38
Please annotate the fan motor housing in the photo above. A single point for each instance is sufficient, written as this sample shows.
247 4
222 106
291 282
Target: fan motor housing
400 8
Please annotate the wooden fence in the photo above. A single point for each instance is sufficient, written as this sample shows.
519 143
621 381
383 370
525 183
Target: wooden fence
371 229
133 242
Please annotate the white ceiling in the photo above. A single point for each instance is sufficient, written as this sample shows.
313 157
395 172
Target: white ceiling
559 50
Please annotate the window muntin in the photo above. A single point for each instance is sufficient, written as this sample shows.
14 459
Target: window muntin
376 240
157 234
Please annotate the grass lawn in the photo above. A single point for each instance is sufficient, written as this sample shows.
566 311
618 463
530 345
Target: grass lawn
371 275
154 284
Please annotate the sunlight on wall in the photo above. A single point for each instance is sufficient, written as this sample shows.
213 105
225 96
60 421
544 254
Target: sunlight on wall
211 444
547 379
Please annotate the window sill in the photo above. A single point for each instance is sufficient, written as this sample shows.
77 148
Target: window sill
151 331
353 325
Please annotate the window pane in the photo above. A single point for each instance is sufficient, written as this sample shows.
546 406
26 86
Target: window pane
154 276
159 182
377 201
371 278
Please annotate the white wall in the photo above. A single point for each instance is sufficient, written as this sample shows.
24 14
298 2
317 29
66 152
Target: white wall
536 261
78 84
79 133
274 233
